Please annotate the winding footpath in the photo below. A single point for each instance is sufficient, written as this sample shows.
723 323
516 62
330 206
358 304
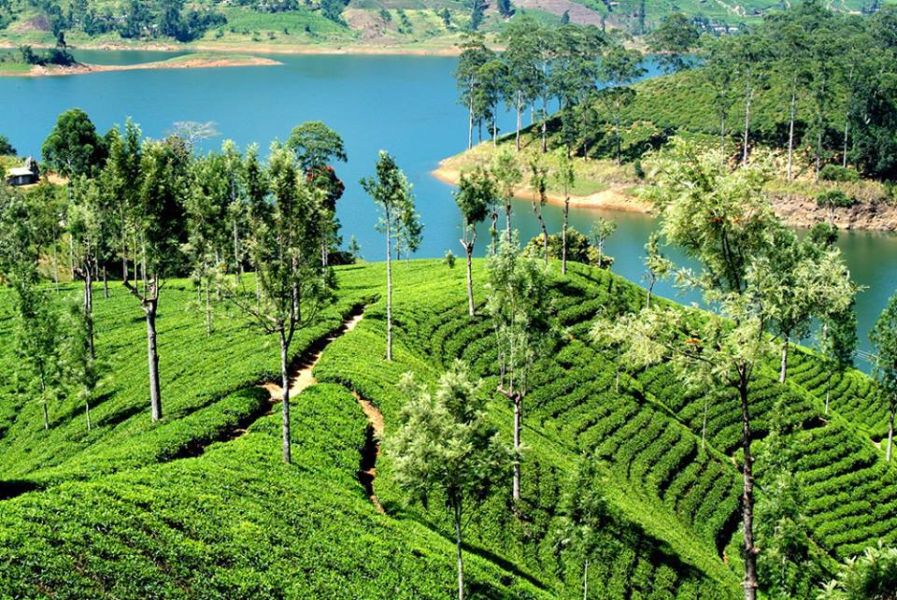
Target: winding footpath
302 377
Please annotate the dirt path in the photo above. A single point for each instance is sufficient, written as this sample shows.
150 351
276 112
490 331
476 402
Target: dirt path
301 377
367 470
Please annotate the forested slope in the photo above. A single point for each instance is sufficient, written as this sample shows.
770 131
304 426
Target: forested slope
138 509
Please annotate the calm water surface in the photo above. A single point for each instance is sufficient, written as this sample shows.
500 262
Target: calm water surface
402 104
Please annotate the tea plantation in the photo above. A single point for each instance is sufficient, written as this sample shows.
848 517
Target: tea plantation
200 505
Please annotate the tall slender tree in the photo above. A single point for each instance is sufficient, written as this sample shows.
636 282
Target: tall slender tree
476 198
391 192
884 337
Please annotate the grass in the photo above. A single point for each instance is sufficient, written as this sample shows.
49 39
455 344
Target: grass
174 510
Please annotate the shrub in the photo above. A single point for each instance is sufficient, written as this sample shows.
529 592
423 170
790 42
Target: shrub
838 173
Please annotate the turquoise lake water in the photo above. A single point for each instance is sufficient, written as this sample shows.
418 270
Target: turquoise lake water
406 105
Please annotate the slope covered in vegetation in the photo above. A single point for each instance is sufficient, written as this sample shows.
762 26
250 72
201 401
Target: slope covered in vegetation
193 507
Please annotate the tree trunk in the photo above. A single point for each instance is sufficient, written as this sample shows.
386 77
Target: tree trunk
585 580
55 265
846 137
544 126
783 369
508 218
537 209
890 435
564 234
650 291
105 283
208 310
152 352
238 261
470 123
519 119
468 249
88 310
285 396
87 410
518 401
747 497
458 547
791 119
388 290
748 99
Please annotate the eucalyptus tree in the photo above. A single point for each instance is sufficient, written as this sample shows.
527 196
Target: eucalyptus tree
492 74
80 370
565 176
884 337
520 309
585 515
469 73
446 447
601 230
749 56
538 182
838 343
720 73
408 231
476 198
657 266
391 192
84 222
619 68
207 206
673 41
282 247
156 222
506 171
36 328
802 281
723 220
120 182
522 55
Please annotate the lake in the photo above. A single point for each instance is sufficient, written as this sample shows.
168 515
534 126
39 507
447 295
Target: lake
406 105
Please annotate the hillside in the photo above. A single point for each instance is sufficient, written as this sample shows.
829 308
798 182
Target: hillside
199 505
430 26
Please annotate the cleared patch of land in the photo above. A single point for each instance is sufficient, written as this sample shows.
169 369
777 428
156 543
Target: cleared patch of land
190 61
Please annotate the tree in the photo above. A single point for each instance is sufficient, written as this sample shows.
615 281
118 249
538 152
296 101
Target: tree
619 68
36 329
884 338
282 244
673 41
79 365
85 228
801 280
506 8
316 145
468 74
657 265
446 447
538 182
565 175
507 176
585 514
838 342
73 146
156 221
6 148
476 198
520 310
749 58
723 220
720 72
522 55
391 192
869 576
602 229
788 567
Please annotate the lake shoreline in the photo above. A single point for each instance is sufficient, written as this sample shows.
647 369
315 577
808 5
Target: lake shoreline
204 62
289 50
613 198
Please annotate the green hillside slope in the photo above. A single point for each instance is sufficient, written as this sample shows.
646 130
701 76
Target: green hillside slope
195 507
